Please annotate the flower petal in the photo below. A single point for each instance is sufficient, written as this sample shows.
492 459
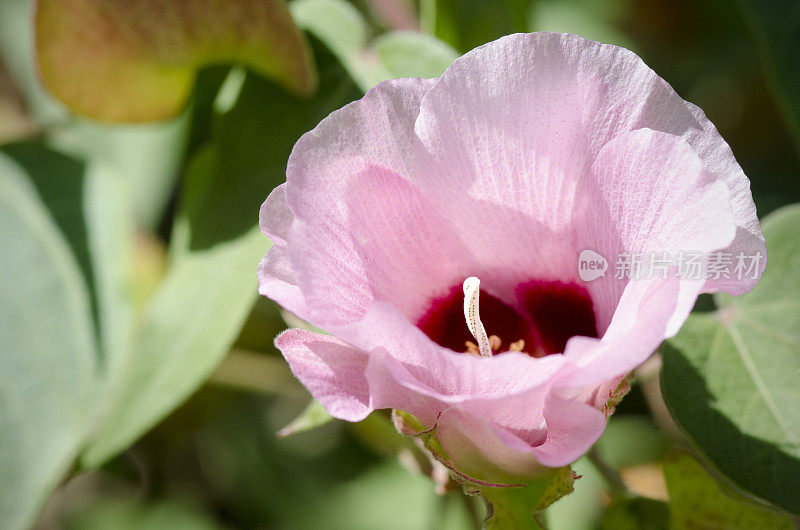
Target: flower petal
649 193
429 369
572 428
519 122
361 230
274 217
332 371
648 312
482 449
485 452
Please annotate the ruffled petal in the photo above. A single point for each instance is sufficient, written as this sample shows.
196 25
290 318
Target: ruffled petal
648 312
480 448
518 124
361 230
274 217
331 370
448 377
572 428
649 195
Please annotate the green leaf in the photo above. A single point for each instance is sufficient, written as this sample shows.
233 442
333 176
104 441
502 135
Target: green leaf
465 24
47 350
136 61
189 326
91 206
637 513
201 305
514 507
412 54
776 26
148 156
344 31
313 416
631 440
590 19
698 501
730 377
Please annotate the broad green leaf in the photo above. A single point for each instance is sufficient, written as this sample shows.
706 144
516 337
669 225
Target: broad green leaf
334 22
47 351
201 305
59 181
396 54
91 207
109 216
147 156
188 327
136 61
313 416
731 378
699 501
776 26
636 513
340 26
465 24
411 54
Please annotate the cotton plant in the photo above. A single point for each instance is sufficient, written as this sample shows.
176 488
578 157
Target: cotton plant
433 230
479 249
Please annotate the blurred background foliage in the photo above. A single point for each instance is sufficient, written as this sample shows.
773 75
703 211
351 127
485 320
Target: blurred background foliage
167 414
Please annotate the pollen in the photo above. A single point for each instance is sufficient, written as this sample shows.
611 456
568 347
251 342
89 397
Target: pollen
496 344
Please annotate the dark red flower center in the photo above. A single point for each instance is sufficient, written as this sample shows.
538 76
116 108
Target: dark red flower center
545 316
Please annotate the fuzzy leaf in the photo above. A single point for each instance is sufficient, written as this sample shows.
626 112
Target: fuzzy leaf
47 350
731 378
699 501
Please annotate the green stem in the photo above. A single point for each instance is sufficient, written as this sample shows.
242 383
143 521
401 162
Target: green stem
427 16
256 372
616 486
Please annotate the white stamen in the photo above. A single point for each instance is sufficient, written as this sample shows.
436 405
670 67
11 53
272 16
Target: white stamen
472 314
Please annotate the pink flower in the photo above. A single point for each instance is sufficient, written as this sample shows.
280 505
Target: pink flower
526 151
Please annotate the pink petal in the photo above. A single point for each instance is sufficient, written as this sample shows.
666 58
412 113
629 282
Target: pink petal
276 278
482 449
332 371
519 122
649 193
572 428
648 312
274 217
449 377
361 230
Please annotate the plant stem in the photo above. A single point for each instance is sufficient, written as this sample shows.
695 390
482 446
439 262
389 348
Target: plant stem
616 486
256 372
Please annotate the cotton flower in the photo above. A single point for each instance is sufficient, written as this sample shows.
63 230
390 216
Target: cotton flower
433 229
